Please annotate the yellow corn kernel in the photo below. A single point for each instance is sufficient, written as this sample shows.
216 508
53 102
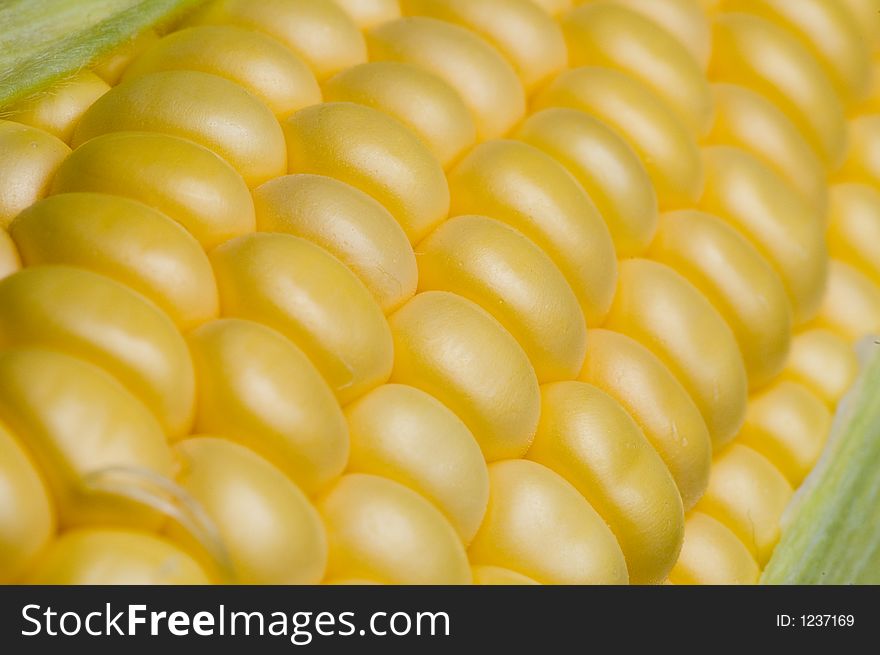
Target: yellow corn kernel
828 31
662 310
758 54
589 439
204 108
347 223
185 181
748 495
124 240
663 142
683 19
851 307
487 84
737 280
554 7
789 425
746 119
712 555
455 351
310 297
272 533
28 160
496 575
111 66
402 433
9 258
366 13
867 19
351 581
854 227
375 153
823 362
416 544
59 109
606 167
318 31
100 320
510 277
102 556
606 34
530 39
862 163
519 185
27 517
758 203
88 436
422 101
667 415
256 62
534 512
258 389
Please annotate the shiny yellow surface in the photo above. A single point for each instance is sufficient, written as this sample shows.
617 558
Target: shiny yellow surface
28 160
95 444
27 516
416 544
100 320
375 153
527 189
403 434
534 511
553 7
737 280
450 348
758 203
112 65
867 17
309 296
606 167
272 533
124 240
748 495
662 310
747 120
347 223
185 181
763 56
630 107
102 556
659 404
254 61
712 554
419 99
683 19
824 362
486 82
828 30
9 258
204 108
862 163
530 39
787 424
851 307
501 270
589 439
367 13
854 227
497 575
614 36
256 388
318 31
59 110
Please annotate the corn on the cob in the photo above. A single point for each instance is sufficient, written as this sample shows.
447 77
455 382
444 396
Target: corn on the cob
317 266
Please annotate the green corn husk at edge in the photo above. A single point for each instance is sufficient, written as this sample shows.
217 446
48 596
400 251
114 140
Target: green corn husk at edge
45 41
832 528
831 531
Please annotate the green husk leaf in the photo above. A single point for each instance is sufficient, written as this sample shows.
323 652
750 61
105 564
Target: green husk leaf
45 41
831 531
